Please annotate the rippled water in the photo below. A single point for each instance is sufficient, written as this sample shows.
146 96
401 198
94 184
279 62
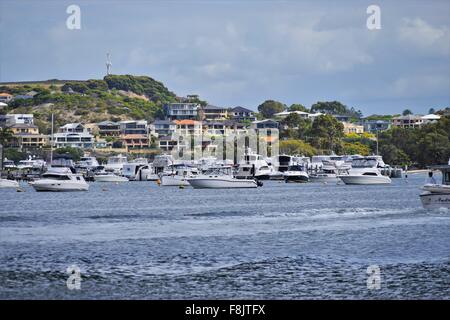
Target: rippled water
281 241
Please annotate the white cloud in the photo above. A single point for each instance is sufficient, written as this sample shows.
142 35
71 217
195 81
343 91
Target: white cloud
423 36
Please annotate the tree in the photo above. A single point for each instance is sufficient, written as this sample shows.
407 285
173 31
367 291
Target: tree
75 153
298 107
334 107
406 112
269 107
326 133
299 147
355 148
431 111
6 135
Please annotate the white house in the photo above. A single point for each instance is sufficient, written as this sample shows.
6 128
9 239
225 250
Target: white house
73 135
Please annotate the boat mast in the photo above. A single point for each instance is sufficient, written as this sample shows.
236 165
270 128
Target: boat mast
51 145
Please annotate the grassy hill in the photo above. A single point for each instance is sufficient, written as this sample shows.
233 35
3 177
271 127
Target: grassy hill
115 97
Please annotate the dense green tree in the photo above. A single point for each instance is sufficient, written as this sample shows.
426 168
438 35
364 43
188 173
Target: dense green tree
269 107
298 107
334 107
431 111
6 135
298 147
326 133
75 153
355 148
407 112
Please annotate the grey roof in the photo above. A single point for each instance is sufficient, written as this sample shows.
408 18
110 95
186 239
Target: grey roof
241 109
107 122
211 107
164 122
22 126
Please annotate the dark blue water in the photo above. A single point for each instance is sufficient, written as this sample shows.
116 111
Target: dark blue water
281 241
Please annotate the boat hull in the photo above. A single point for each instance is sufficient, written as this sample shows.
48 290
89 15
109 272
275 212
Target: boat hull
58 186
323 178
199 183
6 183
437 188
110 178
174 181
435 200
365 180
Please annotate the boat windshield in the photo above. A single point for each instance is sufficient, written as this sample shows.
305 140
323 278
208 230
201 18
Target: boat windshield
364 163
55 176
295 168
218 171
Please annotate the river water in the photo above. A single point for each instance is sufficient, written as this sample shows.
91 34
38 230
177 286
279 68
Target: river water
281 241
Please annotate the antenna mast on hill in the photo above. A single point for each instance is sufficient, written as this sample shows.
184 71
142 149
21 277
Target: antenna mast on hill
108 64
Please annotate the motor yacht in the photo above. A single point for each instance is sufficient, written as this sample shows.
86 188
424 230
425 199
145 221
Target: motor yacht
437 195
6 183
253 165
60 179
178 175
221 178
364 171
115 163
296 173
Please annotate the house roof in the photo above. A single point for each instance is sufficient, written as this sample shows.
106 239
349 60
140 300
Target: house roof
286 113
134 136
71 125
3 94
211 107
241 109
409 117
23 126
163 122
431 117
108 123
187 121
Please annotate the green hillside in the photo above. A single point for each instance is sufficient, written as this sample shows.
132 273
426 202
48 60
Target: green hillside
115 97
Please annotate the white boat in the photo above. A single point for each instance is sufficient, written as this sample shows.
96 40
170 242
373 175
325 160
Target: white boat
220 178
9 164
138 170
6 183
296 173
329 172
437 195
31 164
178 175
115 163
60 179
104 176
364 171
88 163
253 165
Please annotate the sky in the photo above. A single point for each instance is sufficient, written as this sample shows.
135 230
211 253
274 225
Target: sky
242 52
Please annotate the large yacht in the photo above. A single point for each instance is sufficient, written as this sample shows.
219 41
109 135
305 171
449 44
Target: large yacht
221 178
253 165
6 183
88 163
364 171
60 179
139 170
437 195
115 163
178 175
296 173
31 164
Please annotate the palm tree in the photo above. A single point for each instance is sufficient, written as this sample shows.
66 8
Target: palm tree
6 135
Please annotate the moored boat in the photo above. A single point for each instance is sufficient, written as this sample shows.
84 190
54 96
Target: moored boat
437 195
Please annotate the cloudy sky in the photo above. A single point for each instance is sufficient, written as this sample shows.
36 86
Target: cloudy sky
242 52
